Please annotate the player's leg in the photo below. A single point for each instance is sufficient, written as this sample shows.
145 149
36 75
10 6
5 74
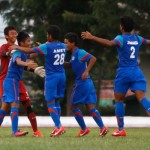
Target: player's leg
139 87
14 116
14 119
25 101
79 118
78 96
143 100
90 104
58 107
59 129
97 117
51 84
60 91
121 86
4 109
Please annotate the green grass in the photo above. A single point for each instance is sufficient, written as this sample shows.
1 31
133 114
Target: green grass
136 139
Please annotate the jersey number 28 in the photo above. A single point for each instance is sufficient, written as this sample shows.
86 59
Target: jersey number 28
59 59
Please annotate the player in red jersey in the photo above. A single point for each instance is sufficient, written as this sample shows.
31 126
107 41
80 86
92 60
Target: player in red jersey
11 36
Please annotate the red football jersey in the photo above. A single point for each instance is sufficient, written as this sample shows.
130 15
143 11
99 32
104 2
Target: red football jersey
4 61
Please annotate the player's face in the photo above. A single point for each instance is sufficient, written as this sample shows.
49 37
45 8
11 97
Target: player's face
69 46
12 36
26 43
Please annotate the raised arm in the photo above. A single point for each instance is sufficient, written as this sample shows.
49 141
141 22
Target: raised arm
148 42
23 49
88 35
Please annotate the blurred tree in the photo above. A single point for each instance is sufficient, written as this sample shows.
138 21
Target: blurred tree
34 16
101 17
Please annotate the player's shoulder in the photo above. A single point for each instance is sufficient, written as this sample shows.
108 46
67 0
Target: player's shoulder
6 46
119 36
81 51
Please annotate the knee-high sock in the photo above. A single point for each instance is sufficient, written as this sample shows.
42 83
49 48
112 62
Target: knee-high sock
146 104
120 111
79 118
54 114
14 119
58 107
2 115
97 117
31 115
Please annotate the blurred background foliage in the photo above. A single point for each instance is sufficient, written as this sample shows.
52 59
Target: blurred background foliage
101 17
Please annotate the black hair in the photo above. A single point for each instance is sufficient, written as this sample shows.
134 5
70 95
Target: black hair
22 36
127 23
9 28
54 31
72 37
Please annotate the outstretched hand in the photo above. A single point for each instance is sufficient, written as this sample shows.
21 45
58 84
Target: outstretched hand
87 35
31 64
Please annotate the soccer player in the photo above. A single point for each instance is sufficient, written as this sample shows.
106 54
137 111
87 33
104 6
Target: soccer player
129 75
55 79
83 91
11 35
11 83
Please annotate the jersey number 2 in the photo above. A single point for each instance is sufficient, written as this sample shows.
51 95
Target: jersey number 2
132 52
59 59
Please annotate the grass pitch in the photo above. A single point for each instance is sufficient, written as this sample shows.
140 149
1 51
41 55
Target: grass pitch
136 139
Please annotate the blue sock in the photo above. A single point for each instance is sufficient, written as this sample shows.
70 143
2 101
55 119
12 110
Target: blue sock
57 104
54 114
146 104
2 115
97 117
120 111
79 117
14 119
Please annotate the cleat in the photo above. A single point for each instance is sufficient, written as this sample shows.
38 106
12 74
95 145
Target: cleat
53 132
83 132
19 133
103 131
37 134
119 133
58 132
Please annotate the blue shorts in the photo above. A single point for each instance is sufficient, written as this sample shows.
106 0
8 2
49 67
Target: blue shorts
55 85
129 78
83 93
11 90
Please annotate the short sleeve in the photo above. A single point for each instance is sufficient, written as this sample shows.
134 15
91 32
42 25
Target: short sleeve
84 56
41 50
118 40
142 40
16 54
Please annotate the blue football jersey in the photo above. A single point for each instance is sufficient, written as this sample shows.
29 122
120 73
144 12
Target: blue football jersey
54 56
128 48
15 71
79 59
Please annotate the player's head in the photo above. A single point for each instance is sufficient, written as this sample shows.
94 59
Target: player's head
24 39
10 33
53 33
71 40
126 24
